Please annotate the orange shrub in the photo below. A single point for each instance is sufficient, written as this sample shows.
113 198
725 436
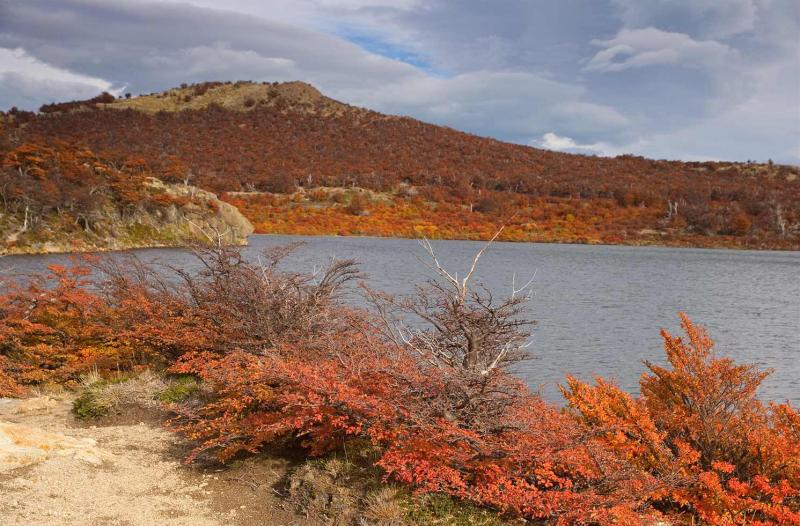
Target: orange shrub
729 458
56 329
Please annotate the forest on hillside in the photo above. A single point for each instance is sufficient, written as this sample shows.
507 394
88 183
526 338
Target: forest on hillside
277 147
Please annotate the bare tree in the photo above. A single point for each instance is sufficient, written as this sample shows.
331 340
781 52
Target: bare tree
460 327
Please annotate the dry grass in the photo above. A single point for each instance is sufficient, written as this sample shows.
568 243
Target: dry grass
385 507
239 96
101 397
140 391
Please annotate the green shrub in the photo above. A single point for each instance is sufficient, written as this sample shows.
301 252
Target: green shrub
180 389
441 510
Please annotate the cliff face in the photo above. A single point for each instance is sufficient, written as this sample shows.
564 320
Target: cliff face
178 215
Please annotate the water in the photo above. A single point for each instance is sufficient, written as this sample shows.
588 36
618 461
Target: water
598 308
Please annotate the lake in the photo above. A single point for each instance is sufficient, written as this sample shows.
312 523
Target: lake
598 308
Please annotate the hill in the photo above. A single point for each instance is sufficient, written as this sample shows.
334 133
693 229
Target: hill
281 142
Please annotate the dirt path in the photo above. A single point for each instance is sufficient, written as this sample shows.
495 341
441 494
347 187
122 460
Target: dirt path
56 472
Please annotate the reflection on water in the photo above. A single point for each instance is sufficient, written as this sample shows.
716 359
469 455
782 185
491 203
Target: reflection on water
598 308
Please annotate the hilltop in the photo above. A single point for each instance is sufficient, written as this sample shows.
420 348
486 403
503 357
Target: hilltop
281 142
242 96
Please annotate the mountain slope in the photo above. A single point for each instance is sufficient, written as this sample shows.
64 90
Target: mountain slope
272 137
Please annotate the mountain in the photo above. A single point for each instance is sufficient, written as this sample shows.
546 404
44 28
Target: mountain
304 149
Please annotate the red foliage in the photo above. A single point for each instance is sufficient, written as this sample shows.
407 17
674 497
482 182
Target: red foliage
730 459
270 147
283 359
361 388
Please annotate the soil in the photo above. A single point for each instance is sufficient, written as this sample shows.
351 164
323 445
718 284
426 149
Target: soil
133 475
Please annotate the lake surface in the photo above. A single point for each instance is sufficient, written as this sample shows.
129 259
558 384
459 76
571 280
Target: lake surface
598 308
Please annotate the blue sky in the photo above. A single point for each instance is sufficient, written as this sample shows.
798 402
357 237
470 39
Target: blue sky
687 79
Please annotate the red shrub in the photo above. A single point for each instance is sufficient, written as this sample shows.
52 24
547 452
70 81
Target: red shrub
730 459
56 329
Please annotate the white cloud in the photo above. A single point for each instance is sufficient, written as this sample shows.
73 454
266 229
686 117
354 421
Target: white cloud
553 141
18 61
702 18
635 48
27 82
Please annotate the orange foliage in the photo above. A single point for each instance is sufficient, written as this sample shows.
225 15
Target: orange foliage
729 458
284 359
546 219
56 329
274 147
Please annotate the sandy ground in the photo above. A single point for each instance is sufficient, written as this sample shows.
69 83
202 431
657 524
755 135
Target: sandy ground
55 471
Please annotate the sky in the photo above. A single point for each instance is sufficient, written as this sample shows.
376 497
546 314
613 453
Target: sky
675 79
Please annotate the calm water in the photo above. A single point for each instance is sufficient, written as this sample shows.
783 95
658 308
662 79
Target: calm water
598 308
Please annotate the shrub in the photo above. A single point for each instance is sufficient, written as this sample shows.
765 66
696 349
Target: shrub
699 427
438 419
180 389
357 205
57 329
281 183
488 205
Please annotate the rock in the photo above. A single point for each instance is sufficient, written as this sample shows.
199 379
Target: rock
196 216
40 404
22 445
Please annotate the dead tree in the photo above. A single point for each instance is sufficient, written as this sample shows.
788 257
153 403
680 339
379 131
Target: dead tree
460 329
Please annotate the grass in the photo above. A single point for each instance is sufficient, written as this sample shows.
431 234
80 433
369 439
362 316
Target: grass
93 402
442 510
347 489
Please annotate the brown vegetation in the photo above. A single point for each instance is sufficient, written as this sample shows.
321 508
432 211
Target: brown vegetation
226 138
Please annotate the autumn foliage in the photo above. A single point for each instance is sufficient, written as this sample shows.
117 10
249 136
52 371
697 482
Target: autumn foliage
277 143
729 458
284 359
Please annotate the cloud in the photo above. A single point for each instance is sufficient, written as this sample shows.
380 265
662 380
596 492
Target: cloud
700 18
26 82
553 141
153 46
764 125
636 48
517 106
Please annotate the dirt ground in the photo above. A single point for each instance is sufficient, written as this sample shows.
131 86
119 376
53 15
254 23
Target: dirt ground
55 471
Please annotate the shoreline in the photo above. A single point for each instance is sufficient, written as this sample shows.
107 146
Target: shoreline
105 250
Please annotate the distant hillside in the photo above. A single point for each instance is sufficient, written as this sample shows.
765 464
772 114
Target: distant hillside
274 137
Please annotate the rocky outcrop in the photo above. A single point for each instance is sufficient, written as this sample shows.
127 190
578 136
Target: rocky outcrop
178 215
202 214
23 445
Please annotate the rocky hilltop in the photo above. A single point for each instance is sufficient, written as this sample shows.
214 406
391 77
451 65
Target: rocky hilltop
236 96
